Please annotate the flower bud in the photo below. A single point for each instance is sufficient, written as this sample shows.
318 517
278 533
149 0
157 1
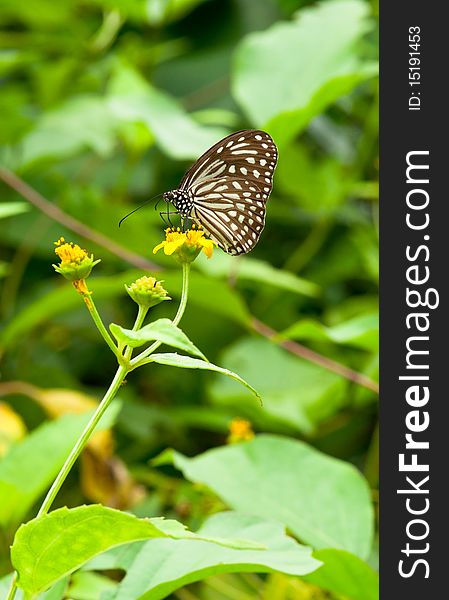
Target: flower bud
147 292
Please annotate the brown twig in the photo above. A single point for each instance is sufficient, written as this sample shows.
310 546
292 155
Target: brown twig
318 359
55 213
18 387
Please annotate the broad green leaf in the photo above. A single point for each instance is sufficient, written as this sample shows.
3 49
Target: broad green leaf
213 295
133 100
162 330
325 502
186 362
162 566
318 184
83 122
345 574
48 548
294 391
120 557
9 209
85 585
252 269
321 62
361 332
30 466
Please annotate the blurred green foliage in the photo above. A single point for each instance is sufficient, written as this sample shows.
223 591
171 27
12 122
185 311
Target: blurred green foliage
104 104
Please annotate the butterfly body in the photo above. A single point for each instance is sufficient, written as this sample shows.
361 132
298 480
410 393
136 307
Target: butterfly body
226 190
181 200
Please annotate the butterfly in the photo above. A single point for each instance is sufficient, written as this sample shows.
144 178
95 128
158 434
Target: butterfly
226 190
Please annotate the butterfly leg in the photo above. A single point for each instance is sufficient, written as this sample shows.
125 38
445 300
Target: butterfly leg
163 215
185 222
167 214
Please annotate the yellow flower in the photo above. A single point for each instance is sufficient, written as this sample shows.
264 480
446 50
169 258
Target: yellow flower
195 237
75 263
240 430
185 245
174 239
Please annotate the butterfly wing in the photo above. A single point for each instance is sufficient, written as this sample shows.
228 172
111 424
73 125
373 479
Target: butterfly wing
230 185
231 211
249 153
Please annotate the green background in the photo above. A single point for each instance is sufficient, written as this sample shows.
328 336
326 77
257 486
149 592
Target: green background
106 103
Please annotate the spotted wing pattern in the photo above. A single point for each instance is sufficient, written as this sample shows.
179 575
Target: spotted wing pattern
231 211
230 185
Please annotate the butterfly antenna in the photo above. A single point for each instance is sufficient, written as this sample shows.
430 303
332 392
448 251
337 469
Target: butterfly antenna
138 208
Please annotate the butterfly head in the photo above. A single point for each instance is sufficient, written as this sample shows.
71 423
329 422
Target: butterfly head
180 200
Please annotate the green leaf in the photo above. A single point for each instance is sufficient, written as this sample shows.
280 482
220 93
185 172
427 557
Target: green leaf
361 332
216 296
185 362
294 391
162 566
162 330
252 269
133 100
30 466
84 122
50 547
345 574
85 585
9 209
319 184
325 502
320 48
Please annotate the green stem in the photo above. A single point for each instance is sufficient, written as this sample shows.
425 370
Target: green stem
82 440
137 325
99 323
135 362
12 587
184 293
74 454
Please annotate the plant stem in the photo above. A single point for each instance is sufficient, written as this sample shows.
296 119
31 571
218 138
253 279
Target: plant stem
181 308
137 325
184 293
74 454
98 322
82 440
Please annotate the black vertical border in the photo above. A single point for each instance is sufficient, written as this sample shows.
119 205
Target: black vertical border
401 131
